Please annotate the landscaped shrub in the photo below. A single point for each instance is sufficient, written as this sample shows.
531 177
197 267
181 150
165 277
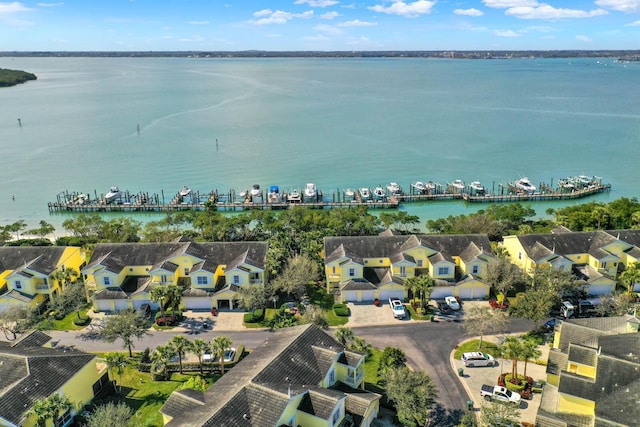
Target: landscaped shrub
254 317
519 385
341 310
82 321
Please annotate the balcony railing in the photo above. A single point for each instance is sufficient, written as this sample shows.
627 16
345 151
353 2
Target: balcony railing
42 287
354 381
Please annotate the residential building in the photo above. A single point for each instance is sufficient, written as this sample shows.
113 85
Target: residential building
593 374
211 273
31 370
362 268
27 273
299 376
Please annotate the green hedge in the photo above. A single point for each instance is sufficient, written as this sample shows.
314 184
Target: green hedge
515 387
254 317
82 321
341 310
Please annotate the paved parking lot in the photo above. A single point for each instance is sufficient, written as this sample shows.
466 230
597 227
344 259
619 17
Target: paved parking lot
473 379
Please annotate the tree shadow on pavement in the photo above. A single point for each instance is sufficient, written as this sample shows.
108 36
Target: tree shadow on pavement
445 417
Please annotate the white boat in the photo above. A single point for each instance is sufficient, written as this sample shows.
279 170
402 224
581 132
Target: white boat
349 195
457 185
394 189
185 191
476 187
310 191
523 184
585 180
114 193
430 186
294 197
379 193
419 186
256 193
365 194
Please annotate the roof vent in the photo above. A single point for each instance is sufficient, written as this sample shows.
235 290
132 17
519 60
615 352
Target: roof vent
246 417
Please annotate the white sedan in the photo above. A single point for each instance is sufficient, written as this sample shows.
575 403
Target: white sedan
452 302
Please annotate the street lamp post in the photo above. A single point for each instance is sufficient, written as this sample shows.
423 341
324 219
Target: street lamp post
275 299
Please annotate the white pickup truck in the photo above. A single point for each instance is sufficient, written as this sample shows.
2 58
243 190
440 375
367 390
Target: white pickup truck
397 308
501 394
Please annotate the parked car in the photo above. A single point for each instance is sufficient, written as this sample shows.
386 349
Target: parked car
397 308
443 307
167 321
229 355
501 394
476 358
452 302
145 311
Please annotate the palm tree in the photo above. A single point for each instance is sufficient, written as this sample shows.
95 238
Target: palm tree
513 351
199 348
630 276
174 294
218 347
160 359
117 361
157 294
420 285
64 276
529 351
344 335
59 404
41 411
180 346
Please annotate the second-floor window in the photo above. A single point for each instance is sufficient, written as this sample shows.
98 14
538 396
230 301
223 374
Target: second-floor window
17 284
333 270
352 272
419 263
186 271
332 377
475 269
106 281
163 278
336 417
254 277
443 271
236 280
403 271
203 280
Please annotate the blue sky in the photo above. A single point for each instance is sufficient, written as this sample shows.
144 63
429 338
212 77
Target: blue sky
159 25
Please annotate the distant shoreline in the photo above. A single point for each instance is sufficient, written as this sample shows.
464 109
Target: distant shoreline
10 78
628 55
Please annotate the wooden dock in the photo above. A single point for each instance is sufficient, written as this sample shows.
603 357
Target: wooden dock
230 201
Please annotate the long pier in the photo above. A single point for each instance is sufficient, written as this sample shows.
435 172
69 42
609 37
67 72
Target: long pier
196 201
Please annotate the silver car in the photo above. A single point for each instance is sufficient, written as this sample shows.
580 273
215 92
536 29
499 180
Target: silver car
477 358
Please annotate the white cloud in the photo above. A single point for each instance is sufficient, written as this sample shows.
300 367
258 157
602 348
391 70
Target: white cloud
327 29
505 4
633 24
13 7
506 33
545 11
198 22
469 12
50 4
357 23
267 16
408 10
583 38
317 3
627 6
330 15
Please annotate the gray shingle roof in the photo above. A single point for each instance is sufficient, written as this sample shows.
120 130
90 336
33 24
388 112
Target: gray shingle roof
42 259
256 391
33 338
538 245
582 355
320 402
32 373
18 296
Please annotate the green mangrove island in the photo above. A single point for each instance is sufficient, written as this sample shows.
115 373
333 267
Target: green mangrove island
14 77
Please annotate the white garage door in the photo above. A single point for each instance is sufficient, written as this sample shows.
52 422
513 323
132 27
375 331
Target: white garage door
103 305
366 296
600 289
393 294
350 296
202 303
441 292
121 304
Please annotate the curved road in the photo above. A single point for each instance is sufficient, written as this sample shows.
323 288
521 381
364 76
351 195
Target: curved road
428 346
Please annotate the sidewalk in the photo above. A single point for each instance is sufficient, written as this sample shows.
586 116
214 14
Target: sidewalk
474 378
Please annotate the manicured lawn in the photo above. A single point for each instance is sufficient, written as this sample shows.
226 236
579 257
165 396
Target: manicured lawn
371 367
146 396
335 320
472 345
65 324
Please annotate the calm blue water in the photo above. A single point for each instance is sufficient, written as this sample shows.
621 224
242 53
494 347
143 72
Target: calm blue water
335 122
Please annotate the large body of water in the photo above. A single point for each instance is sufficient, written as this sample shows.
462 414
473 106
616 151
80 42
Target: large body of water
335 122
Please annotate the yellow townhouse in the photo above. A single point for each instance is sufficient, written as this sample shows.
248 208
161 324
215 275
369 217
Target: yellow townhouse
362 268
28 273
300 376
